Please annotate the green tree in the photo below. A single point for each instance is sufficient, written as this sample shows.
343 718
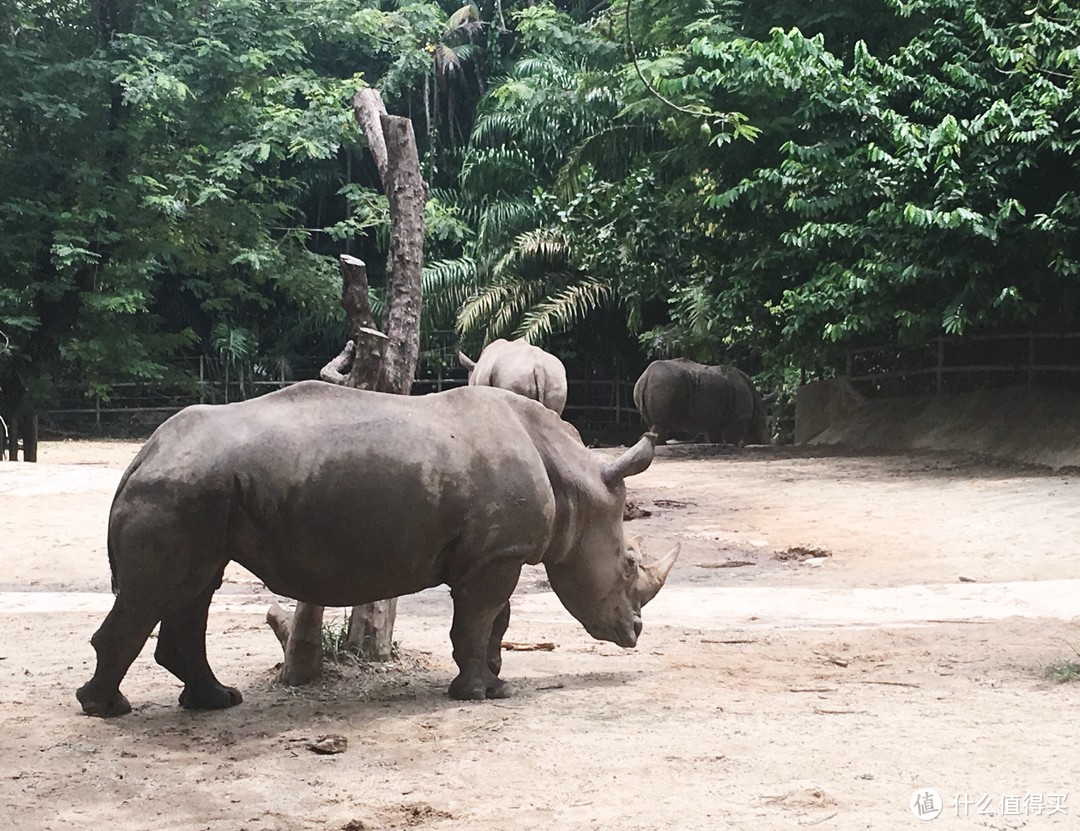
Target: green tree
152 156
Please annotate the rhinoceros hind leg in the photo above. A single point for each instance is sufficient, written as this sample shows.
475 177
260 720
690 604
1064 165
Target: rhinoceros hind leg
117 643
107 705
209 697
181 650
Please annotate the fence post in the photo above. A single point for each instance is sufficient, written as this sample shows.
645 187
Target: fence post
97 412
202 379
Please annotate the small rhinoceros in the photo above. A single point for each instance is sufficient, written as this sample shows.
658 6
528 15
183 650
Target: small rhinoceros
681 396
338 497
520 367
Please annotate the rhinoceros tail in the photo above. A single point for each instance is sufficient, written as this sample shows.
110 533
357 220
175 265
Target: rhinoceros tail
540 384
136 463
641 400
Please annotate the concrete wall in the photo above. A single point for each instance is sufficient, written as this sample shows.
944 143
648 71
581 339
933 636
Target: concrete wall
822 404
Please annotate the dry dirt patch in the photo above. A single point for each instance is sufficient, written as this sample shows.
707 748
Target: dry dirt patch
745 705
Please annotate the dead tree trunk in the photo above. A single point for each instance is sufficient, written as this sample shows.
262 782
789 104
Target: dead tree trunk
371 627
386 363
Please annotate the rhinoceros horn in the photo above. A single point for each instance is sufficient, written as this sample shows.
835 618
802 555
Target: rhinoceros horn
652 576
465 361
633 461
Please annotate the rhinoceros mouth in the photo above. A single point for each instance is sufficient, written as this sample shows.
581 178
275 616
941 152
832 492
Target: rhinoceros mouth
621 634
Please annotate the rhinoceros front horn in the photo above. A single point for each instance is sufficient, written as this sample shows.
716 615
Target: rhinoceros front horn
652 576
465 361
632 462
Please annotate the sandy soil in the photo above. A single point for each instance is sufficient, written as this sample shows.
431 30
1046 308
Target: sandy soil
840 633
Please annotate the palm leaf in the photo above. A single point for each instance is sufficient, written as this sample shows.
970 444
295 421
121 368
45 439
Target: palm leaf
446 285
610 154
564 309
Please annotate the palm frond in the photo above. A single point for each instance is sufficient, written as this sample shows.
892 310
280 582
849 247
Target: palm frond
501 221
610 154
564 309
495 129
498 170
483 305
537 252
446 285
526 294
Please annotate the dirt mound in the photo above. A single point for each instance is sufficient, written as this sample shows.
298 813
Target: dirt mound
1021 424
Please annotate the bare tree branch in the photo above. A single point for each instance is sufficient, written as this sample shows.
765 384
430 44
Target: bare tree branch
334 372
368 106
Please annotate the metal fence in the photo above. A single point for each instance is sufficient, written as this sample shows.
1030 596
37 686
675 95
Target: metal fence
597 407
956 364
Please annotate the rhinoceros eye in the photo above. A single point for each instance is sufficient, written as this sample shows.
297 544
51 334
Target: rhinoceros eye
630 564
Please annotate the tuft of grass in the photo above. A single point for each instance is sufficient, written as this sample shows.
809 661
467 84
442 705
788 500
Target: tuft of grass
1062 672
1065 670
335 644
335 641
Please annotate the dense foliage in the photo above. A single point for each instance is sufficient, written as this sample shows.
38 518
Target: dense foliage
750 182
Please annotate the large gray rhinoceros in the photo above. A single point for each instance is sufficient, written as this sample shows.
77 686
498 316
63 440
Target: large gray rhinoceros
339 497
520 367
681 396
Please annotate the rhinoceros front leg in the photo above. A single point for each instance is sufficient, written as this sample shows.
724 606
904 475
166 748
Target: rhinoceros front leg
498 629
481 615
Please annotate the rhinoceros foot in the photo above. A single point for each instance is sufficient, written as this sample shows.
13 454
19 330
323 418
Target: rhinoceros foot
209 697
103 705
473 689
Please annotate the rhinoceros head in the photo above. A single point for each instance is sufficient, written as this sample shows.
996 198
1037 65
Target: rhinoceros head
605 581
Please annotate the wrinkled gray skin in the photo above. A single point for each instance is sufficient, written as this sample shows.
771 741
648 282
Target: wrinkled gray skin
339 497
683 397
520 367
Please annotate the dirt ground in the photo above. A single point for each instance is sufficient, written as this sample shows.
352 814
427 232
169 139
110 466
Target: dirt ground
840 634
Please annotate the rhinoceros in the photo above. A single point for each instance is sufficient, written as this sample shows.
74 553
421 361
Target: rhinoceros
338 497
681 396
520 367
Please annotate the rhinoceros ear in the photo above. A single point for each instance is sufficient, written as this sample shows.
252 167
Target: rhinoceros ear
632 462
466 361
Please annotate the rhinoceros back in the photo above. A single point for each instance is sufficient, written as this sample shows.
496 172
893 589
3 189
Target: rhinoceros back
339 496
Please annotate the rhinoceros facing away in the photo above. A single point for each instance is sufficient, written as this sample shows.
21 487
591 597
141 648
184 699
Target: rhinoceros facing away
520 367
681 396
340 497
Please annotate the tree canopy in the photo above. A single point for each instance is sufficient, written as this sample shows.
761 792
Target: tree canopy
744 182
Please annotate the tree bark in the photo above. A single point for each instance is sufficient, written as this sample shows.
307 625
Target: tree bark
386 363
371 630
405 259
368 108
303 649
